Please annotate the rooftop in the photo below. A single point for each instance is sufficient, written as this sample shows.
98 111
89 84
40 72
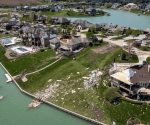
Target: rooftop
133 75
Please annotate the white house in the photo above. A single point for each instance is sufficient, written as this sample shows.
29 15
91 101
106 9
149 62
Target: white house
130 6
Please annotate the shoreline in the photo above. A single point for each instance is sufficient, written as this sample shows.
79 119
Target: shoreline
52 104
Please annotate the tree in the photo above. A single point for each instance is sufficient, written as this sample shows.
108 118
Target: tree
73 32
130 45
136 32
108 5
123 56
117 32
101 41
92 29
90 44
89 34
128 31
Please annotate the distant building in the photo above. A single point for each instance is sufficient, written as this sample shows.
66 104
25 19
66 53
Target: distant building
59 20
130 6
116 5
37 35
147 8
91 11
82 24
54 43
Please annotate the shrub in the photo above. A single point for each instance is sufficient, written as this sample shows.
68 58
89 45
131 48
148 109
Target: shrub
42 50
111 93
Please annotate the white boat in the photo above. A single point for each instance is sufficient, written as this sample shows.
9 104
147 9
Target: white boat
1 97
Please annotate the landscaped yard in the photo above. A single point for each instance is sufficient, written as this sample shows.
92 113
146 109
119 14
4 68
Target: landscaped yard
71 94
27 63
63 68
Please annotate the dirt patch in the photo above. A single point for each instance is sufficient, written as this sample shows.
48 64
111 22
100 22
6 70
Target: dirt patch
98 113
104 49
10 55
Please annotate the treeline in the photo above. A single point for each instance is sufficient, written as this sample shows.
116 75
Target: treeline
110 1
125 1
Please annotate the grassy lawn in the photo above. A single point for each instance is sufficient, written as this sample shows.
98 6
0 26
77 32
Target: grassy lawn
50 14
89 102
28 62
125 110
69 13
136 11
129 58
5 35
144 48
140 12
119 37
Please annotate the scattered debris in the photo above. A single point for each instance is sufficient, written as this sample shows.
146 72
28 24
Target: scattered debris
50 80
34 104
73 91
92 79
58 80
48 92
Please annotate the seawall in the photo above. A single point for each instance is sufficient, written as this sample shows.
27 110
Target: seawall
52 104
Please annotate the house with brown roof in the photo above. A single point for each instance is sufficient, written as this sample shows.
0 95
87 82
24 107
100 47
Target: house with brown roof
133 82
73 43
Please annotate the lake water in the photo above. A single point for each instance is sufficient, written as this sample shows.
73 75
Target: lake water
119 17
14 109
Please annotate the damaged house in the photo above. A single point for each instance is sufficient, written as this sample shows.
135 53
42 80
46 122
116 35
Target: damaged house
133 82
59 20
73 43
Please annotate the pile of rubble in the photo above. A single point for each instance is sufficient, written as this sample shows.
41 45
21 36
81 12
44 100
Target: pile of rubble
92 79
48 92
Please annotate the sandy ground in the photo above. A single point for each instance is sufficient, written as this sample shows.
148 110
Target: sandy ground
104 49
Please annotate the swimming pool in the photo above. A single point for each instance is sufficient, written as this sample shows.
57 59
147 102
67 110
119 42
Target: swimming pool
21 49
7 42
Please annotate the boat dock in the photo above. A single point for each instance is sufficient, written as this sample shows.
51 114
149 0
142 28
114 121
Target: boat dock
9 79
34 104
